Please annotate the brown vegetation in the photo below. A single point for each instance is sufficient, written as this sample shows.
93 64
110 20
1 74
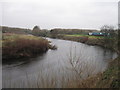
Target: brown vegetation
23 48
19 46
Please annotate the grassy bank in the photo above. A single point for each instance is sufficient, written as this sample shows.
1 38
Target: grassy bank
108 79
15 46
110 43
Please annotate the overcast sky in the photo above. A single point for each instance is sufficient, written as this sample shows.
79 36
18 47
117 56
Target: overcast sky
50 14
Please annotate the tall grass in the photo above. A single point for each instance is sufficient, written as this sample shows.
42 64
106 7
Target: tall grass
23 46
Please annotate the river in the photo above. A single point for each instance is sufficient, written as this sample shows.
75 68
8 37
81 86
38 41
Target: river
53 68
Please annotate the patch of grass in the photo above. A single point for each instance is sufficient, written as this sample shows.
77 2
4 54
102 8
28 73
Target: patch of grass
80 35
9 37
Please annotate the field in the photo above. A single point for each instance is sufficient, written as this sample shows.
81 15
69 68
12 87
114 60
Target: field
80 35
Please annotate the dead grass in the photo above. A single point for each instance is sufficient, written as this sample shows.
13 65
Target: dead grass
19 46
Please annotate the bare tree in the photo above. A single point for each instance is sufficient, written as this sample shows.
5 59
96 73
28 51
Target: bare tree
110 36
108 30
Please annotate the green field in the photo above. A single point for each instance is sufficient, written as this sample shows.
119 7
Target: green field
80 35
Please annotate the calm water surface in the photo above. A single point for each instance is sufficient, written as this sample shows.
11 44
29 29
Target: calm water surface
54 66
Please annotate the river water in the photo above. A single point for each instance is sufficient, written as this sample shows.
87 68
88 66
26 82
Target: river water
72 60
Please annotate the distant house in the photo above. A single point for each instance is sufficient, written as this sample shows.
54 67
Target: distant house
98 34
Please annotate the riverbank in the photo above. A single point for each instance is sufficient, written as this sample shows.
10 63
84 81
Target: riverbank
110 43
107 79
16 46
110 78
